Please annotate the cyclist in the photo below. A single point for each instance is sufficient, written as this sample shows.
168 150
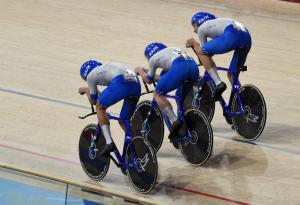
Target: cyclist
122 84
176 67
227 35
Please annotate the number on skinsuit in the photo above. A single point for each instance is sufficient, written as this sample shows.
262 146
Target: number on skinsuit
129 76
181 53
239 26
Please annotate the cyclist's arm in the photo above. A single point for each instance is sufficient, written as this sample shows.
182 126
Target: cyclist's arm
92 93
156 77
144 73
86 90
151 76
202 36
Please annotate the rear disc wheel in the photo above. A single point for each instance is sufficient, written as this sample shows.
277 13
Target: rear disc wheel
249 125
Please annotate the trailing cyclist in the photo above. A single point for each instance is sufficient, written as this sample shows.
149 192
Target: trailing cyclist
122 84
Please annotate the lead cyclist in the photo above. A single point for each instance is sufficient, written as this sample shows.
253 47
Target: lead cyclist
226 35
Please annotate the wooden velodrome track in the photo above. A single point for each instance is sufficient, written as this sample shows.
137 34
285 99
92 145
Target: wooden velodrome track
43 43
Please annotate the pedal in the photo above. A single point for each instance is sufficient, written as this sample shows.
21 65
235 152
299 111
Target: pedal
244 68
176 144
233 127
115 161
228 119
123 170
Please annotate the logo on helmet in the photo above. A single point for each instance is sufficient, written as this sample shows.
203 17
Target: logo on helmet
152 51
87 67
153 48
200 17
86 72
203 18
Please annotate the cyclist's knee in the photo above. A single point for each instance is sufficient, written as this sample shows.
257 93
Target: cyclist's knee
100 108
229 75
158 95
122 125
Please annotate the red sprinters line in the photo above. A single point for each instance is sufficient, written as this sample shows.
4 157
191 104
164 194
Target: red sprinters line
163 184
39 154
204 194
292 1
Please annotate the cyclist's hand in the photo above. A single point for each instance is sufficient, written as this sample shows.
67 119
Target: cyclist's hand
144 77
191 42
82 90
138 70
144 69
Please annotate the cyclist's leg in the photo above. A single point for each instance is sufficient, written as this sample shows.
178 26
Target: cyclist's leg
192 76
131 95
219 45
225 43
103 123
165 85
116 91
178 73
239 57
170 81
215 46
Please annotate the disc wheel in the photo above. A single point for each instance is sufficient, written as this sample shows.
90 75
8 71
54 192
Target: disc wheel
198 144
151 129
142 165
200 98
94 165
249 125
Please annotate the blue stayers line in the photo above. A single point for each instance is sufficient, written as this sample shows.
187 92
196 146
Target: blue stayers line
278 148
87 107
44 98
260 144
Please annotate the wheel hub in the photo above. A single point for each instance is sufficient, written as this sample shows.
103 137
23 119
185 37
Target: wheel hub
197 98
142 163
249 116
92 148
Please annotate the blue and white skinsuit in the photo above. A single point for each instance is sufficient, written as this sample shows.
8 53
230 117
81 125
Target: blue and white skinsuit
121 83
227 35
176 67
